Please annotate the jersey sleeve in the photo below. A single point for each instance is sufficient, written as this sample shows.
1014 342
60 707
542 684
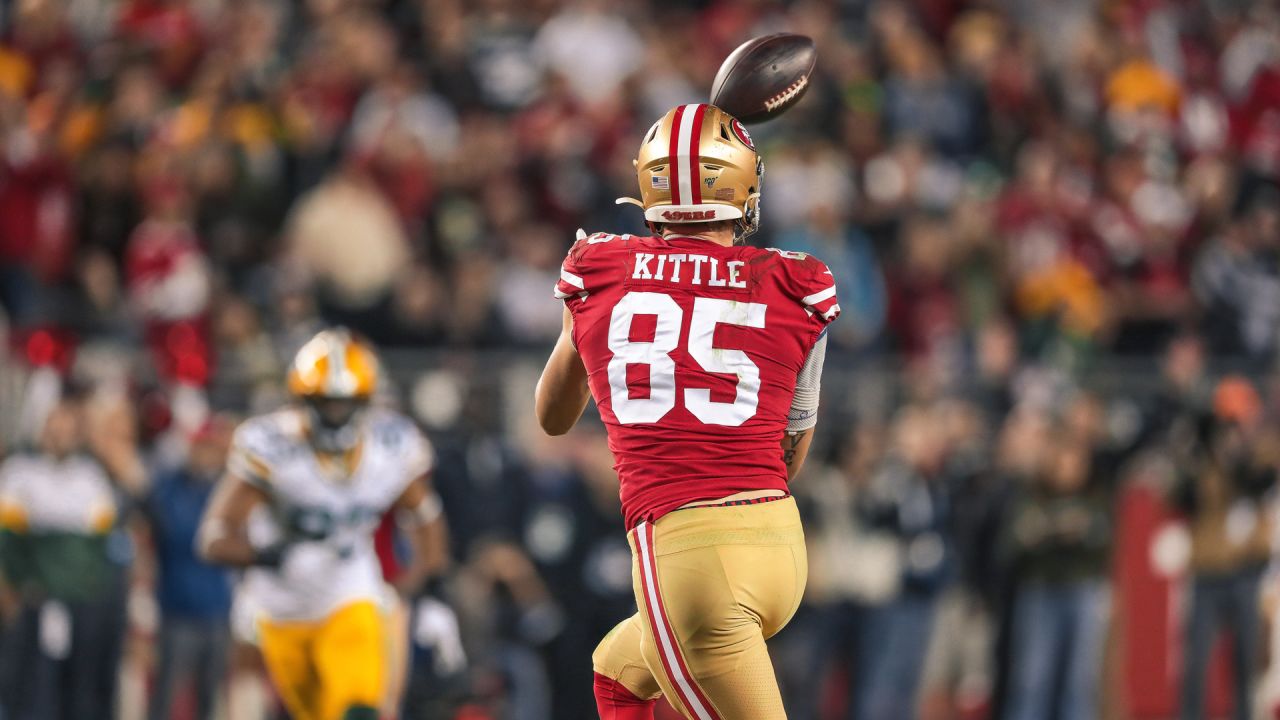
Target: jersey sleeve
250 450
813 285
580 267
419 455
409 450
571 283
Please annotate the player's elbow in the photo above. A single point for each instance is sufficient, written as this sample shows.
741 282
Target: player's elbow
553 425
550 417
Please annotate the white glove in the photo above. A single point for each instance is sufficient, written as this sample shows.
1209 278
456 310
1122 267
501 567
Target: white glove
435 627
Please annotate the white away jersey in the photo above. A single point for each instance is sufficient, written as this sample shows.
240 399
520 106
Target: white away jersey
329 514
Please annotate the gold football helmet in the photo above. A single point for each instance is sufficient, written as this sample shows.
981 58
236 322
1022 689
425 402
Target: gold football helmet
334 374
698 164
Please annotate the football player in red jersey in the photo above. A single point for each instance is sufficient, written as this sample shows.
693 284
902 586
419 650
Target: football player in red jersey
704 358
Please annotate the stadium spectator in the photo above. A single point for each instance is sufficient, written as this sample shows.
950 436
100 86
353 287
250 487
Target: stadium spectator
1237 284
194 598
1057 537
169 284
907 498
1227 473
62 563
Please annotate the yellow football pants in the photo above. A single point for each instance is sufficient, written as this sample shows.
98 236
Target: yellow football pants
711 584
323 668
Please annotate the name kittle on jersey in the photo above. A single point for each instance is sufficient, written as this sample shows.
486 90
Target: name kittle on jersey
689 268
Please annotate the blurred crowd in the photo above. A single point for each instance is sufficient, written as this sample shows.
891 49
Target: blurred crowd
1044 486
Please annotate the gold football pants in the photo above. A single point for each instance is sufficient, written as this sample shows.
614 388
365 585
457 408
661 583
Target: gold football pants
711 584
324 668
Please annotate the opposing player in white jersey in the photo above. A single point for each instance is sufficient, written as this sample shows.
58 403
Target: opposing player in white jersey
316 477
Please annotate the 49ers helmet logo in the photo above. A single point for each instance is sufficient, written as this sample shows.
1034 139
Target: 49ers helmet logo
741 132
689 215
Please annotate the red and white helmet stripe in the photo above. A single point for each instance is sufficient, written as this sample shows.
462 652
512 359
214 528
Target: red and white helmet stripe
682 176
685 151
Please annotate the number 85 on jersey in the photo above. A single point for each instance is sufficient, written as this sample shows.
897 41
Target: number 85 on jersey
656 354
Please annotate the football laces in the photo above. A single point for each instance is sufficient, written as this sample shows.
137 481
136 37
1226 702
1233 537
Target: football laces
786 95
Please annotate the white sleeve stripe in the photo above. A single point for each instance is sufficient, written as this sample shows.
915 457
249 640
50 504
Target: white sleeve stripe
819 296
576 281
835 310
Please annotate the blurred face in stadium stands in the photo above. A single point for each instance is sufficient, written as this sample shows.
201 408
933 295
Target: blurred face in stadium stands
1086 418
237 322
1184 361
958 421
1264 220
100 279
63 431
1037 166
209 450
1210 184
1022 441
1068 466
997 350
927 248
917 441
137 97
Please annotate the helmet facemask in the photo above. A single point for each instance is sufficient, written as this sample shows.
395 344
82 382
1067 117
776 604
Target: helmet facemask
750 222
333 423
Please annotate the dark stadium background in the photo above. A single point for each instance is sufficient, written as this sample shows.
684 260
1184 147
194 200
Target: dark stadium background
1051 413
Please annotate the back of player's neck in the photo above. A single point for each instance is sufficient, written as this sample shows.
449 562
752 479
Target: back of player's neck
715 239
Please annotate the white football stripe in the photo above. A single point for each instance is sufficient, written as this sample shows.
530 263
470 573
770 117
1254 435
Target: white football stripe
338 380
670 660
819 296
683 142
572 279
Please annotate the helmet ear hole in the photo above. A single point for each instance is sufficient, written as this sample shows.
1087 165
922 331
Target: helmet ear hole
724 131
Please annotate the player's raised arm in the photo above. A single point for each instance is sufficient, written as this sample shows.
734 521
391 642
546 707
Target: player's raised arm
223 538
562 392
420 514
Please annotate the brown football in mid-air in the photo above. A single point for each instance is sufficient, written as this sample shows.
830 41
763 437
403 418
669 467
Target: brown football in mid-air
764 76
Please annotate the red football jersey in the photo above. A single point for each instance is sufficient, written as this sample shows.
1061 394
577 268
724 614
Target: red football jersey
692 351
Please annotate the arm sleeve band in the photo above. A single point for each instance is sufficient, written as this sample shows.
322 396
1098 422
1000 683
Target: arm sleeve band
422 514
804 405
